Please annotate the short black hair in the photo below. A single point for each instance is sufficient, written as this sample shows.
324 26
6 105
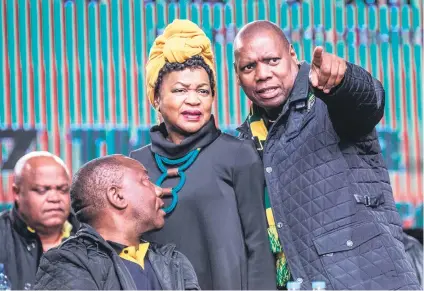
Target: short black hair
195 62
90 184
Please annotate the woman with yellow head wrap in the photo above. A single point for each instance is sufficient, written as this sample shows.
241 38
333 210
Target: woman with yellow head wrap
213 181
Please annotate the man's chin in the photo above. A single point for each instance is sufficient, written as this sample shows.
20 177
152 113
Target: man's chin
54 223
271 103
160 224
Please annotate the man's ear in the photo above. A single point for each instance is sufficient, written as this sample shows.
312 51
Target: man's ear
116 198
15 192
237 75
293 54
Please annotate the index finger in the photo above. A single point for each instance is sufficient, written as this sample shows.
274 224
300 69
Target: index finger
317 56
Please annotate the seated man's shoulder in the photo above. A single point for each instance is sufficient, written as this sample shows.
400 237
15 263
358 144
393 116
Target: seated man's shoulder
72 247
71 265
168 251
78 248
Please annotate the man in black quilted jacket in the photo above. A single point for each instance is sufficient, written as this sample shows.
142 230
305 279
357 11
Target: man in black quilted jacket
116 202
333 215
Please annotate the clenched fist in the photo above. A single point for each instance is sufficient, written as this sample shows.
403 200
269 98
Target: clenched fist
327 70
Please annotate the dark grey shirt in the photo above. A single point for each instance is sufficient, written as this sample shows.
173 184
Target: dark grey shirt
219 222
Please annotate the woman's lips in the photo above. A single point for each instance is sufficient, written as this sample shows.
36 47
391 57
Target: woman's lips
192 115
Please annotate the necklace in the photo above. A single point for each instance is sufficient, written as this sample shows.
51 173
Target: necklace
184 162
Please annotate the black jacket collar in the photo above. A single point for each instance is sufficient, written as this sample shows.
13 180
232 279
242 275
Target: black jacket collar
20 226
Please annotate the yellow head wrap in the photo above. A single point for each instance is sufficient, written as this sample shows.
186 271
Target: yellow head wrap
181 40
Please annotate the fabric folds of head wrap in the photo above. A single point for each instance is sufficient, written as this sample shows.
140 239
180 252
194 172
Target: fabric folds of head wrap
181 40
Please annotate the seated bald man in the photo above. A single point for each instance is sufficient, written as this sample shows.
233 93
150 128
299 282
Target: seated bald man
116 202
40 218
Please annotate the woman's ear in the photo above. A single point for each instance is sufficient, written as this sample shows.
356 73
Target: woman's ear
116 198
156 103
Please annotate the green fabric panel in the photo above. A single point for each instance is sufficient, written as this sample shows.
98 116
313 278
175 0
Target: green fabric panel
218 25
317 12
306 16
308 45
250 6
13 58
273 11
232 83
184 5
361 13
363 55
127 19
49 89
341 49
372 18
160 14
70 52
284 16
351 36
395 49
374 58
418 51
262 13
140 52
409 98
60 63
207 21
172 12
295 13
406 19
195 13
152 28
218 22
328 12
240 8
385 52
340 12
105 44
417 15
82 37
93 43
117 58
2 76
23 43
384 24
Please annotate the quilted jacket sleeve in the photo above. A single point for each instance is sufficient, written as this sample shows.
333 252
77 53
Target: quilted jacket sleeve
62 270
356 105
190 277
249 189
